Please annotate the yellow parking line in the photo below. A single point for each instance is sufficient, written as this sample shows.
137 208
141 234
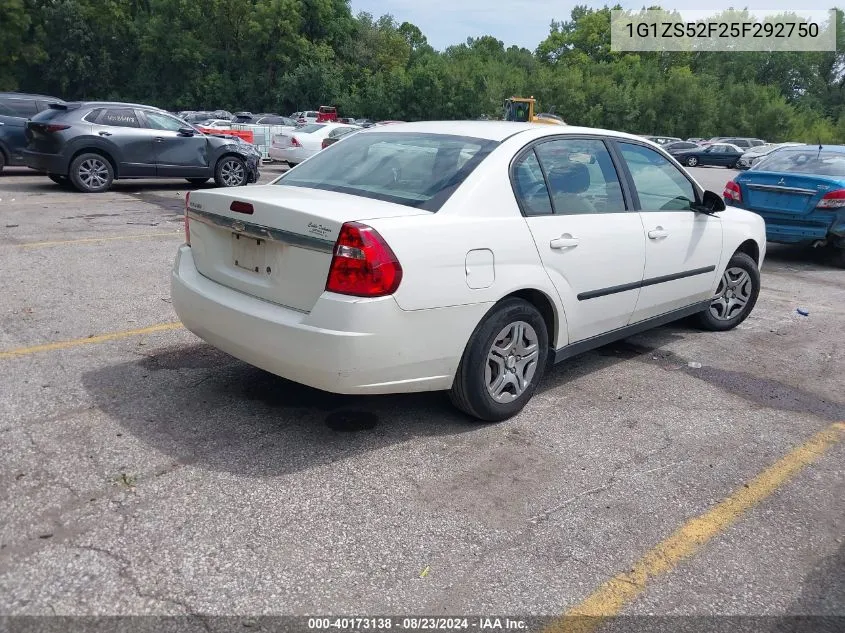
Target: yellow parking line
609 599
99 239
49 347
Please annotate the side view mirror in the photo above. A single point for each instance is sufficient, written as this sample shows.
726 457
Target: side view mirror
712 202
186 131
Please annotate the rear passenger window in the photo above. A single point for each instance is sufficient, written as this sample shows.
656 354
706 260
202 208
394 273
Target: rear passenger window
119 117
581 176
91 117
530 186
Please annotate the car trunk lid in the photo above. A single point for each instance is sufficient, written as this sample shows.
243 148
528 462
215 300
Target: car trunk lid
795 194
275 242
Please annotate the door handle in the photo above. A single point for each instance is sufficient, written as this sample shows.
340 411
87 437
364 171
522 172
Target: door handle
658 233
158 139
564 241
1 123
105 133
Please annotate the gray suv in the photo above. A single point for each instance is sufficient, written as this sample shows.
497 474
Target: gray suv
90 144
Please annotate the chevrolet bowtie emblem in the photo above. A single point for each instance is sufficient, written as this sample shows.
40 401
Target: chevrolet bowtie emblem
238 226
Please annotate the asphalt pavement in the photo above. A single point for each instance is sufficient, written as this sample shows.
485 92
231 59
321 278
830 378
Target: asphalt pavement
144 472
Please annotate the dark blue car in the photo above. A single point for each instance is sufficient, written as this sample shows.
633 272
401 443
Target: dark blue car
15 109
800 193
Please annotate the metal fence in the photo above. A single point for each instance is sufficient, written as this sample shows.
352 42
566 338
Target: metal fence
262 135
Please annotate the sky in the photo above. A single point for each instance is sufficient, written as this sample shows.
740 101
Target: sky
521 22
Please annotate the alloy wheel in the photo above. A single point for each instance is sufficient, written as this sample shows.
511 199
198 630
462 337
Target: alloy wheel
232 173
93 173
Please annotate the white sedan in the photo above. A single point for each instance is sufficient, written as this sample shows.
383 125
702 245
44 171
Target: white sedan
462 256
298 144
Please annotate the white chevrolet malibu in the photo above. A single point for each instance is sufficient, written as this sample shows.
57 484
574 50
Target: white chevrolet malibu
460 256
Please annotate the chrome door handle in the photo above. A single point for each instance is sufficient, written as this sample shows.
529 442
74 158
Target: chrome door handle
1 123
564 241
658 233
105 133
158 139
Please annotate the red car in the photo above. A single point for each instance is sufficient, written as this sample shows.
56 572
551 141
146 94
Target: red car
326 114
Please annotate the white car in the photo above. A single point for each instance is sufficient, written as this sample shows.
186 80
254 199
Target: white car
756 154
298 144
462 256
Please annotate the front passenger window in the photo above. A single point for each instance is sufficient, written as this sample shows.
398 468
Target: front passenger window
660 185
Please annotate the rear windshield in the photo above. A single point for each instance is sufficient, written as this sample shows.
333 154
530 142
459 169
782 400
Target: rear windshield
311 127
50 114
804 161
415 170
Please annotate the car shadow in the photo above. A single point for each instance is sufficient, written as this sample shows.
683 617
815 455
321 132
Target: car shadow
799 255
200 406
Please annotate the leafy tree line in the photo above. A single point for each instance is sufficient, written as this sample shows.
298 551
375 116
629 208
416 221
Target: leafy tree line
287 55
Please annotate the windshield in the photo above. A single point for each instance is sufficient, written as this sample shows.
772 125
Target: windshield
416 170
804 161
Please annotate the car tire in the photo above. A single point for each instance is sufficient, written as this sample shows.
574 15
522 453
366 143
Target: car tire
837 255
692 161
62 181
735 296
91 173
2 161
197 181
492 382
230 172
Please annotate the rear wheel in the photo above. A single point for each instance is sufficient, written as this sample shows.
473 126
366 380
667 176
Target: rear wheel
2 161
735 296
503 362
692 161
230 172
837 255
197 181
91 173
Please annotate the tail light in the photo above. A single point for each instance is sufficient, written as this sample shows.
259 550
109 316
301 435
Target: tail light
294 142
363 264
55 127
241 207
832 200
325 143
187 220
732 192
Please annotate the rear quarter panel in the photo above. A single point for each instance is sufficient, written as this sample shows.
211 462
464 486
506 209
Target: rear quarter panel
482 214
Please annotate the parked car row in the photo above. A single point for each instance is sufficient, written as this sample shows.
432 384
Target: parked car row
88 145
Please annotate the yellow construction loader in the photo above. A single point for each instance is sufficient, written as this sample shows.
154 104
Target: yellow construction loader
522 109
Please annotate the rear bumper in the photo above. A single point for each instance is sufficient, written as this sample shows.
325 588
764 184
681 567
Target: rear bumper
344 345
787 228
293 155
48 163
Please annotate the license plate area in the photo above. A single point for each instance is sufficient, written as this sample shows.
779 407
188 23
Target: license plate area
249 253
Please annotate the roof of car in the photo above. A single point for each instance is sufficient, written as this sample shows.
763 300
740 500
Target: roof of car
114 103
29 96
495 130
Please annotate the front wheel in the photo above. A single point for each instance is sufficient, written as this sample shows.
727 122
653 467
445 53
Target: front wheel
503 362
735 296
692 161
230 172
